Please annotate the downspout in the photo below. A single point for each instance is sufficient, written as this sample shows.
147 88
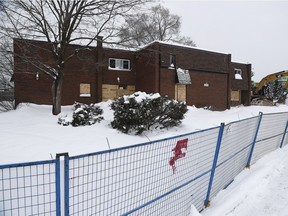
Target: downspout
249 72
99 62
229 82
159 71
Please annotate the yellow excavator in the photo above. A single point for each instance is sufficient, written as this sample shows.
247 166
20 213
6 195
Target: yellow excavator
258 95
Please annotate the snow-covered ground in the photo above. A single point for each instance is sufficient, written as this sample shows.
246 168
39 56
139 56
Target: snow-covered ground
261 190
31 133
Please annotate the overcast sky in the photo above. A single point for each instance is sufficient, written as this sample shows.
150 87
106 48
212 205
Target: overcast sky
253 32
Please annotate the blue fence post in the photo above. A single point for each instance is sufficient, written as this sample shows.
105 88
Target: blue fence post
58 188
219 140
66 183
254 140
284 135
59 173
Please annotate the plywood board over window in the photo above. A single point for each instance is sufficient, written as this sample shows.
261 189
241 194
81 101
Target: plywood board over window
114 91
235 95
85 90
180 92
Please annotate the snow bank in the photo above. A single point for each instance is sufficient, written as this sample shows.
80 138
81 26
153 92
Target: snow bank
31 132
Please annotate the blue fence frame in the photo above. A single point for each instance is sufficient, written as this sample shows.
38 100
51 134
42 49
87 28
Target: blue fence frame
29 188
163 177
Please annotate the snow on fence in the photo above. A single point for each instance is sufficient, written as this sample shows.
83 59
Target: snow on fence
163 177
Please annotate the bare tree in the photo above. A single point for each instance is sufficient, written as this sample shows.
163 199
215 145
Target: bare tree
61 23
156 24
6 71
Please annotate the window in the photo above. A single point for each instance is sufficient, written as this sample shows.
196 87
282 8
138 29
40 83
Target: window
85 90
172 61
235 96
119 64
238 74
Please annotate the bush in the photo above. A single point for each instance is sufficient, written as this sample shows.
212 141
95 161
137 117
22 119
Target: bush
63 121
83 115
140 111
86 114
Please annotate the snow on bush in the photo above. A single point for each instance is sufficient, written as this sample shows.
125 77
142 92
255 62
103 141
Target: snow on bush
83 115
140 111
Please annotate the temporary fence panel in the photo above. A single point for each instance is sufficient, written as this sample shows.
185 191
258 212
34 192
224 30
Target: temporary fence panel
144 179
271 132
28 189
234 151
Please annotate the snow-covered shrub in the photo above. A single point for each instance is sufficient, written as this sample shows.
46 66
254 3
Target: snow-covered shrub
83 115
140 111
86 114
63 121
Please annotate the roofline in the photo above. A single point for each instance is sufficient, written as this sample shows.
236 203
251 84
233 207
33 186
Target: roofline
180 45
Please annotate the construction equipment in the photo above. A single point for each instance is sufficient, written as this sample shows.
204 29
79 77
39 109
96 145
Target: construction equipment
259 96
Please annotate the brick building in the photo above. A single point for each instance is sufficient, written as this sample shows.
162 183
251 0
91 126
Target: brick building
199 77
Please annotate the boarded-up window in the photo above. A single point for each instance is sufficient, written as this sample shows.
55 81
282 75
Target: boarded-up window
114 91
180 92
235 95
85 90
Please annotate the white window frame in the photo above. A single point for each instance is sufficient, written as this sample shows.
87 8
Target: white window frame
119 64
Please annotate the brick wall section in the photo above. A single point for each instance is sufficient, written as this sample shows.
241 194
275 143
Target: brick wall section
79 69
149 72
204 67
237 84
147 69
27 88
243 85
110 76
167 86
194 59
215 95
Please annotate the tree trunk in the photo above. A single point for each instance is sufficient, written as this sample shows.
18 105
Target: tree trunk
57 95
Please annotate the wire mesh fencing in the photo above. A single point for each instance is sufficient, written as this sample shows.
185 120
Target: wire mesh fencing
145 179
234 152
272 129
163 177
28 189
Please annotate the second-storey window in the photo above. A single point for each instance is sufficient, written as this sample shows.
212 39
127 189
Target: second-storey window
238 73
119 64
172 61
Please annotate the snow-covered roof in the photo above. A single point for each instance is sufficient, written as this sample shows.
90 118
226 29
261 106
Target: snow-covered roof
178 45
160 42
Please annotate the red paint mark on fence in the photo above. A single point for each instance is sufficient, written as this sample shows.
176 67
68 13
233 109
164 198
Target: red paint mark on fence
178 152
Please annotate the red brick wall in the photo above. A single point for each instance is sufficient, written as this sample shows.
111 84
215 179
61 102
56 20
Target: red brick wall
243 85
79 69
237 84
193 58
204 66
110 76
214 95
147 70
167 85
